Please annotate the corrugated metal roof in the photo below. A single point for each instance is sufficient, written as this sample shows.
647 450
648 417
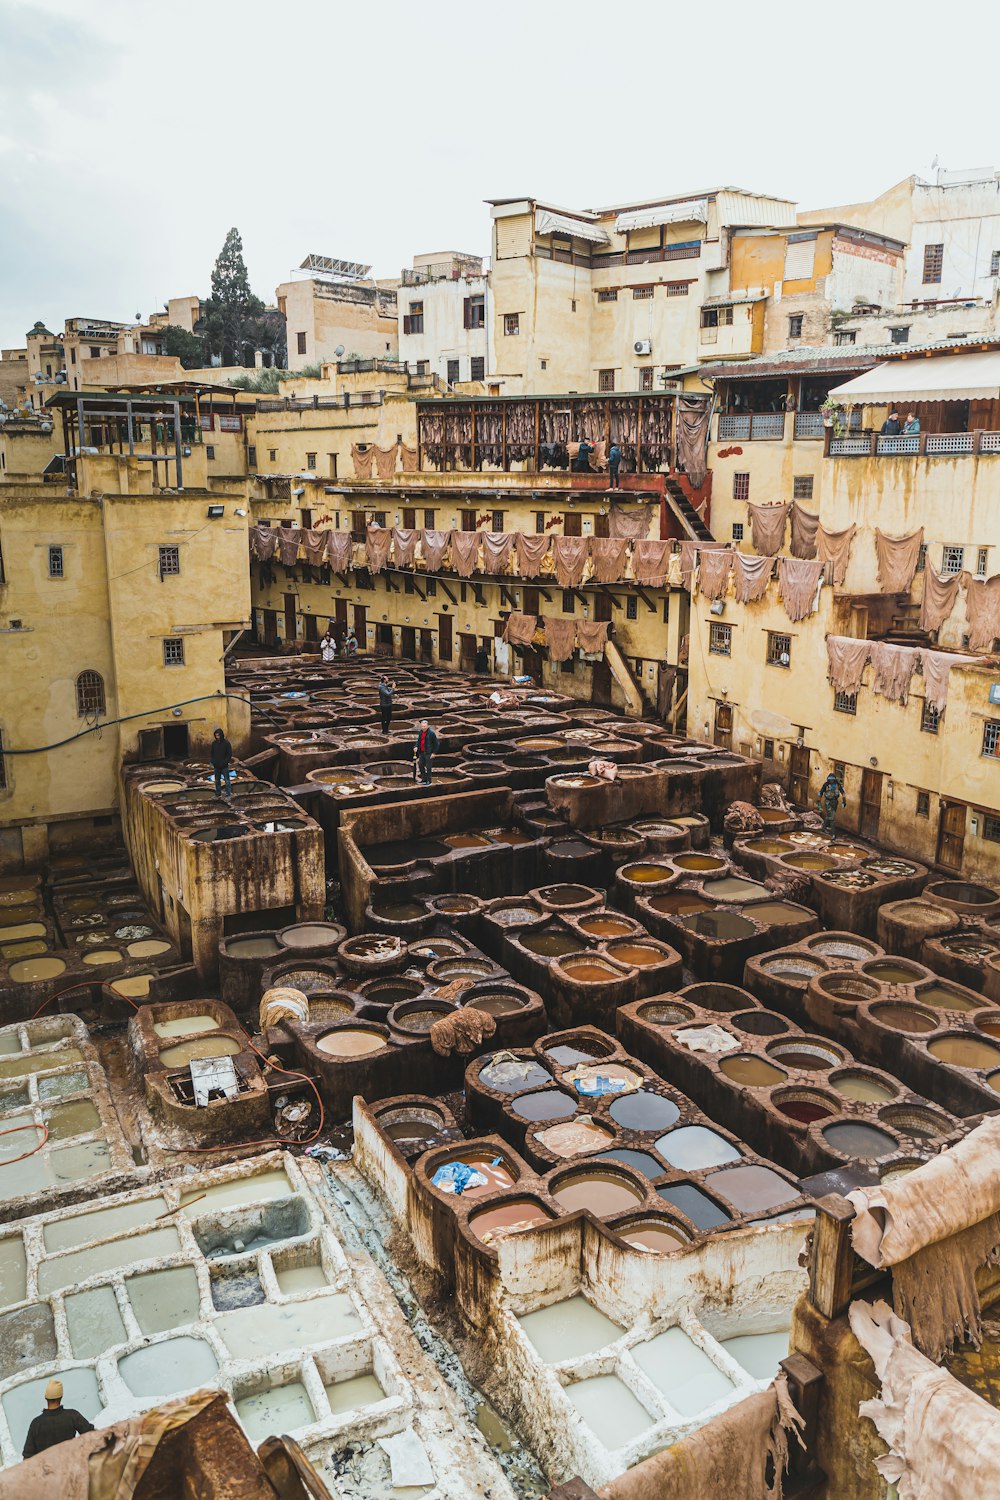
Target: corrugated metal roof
730 299
692 211
811 358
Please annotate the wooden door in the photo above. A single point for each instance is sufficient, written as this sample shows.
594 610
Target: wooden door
361 625
573 524
467 646
951 834
532 599
289 616
723 734
601 689
409 517
468 520
798 789
426 646
340 616
871 804
408 642
270 627
311 625
444 637
603 607
602 525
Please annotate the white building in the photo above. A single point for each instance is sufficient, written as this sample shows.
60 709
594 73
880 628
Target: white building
445 316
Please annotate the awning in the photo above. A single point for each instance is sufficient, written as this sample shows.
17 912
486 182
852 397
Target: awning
693 212
949 377
733 299
548 222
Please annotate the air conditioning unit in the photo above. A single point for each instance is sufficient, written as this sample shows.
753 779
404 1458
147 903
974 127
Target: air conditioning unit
642 346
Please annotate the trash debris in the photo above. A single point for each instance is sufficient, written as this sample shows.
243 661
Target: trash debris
456 1176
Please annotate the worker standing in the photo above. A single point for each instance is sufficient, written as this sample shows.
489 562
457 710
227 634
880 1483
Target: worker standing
424 748
385 692
221 754
56 1424
614 464
830 793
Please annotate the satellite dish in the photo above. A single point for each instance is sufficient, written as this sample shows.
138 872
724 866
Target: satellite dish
340 351
774 726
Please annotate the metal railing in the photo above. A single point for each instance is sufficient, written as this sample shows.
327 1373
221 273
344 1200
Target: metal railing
808 424
914 444
747 427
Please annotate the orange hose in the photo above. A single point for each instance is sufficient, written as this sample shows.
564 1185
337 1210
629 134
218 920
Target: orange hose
25 1154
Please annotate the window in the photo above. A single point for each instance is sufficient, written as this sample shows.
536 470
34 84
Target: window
408 585
251 456
95 351
991 827
631 608
741 486
475 311
641 293
768 749
995 263
378 518
170 560
845 336
921 557
539 522
209 451
173 652
511 324
982 559
676 288
737 531
429 519
840 771
608 294
89 694
952 559
230 422
572 305
720 640
933 263
666 609
272 454
454 371
930 718
802 487
568 602
56 565
497 520
845 703
310 460
300 343
544 364
646 379
477 367
413 321
899 335
605 380
923 804
779 649
432 588
991 738
795 326
710 317
463 592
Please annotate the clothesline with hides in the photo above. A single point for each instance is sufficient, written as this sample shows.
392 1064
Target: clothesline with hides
893 668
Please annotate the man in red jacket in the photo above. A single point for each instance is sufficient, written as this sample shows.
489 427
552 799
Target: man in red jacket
426 744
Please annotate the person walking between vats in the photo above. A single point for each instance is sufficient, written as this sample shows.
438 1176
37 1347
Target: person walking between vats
385 692
482 662
351 645
830 793
426 744
614 464
221 754
56 1424
328 647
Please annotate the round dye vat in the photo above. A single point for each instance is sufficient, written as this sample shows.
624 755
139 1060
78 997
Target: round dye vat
768 846
965 1051
774 814
550 944
454 906
838 946
921 1123
410 1136
422 1019
207 1046
968 945
518 915
569 849
810 862
499 1175
905 1018
104 958
511 1075
735 888
795 967
645 1112
860 1141
750 1189
894 868
761 1023
466 841
565 1055
311 935
963 892
703 1212
590 971
665 1013
252 947
602 1192
29 970
433 948
496 1003
162 786
352 1041
135 985
400 911
804 1108
147 948
464 968
547 1104
22 930
862 1086
646 874
891 971
945 997
639 1161
753 1071
719 926
640 954
704 864
392 991
654 1235
778 913
574 1138
188 1025
807 1054
692 1148
568 895
512 836
606 927
680 903
508 1218
724 998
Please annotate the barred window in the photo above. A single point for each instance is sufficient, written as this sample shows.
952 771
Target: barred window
641 293
933 263
991 827
923 804
676 288
991 738
845 703
607 294
89 694
631 608
511 324
646 378
802 487
952 559
605 380
921 557
779 649
930 718
173 652
741 486
982 561
720 640
795 326
56 564
737 531
170 560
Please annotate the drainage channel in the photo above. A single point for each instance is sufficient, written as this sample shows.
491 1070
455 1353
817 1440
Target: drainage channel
356 1224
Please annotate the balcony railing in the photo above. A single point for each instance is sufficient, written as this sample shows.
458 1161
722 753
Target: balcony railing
748 427
808 424
912 444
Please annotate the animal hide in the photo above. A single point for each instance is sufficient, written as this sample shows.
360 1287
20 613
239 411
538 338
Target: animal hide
798 583
408 456
650 561
607 559
288 545
404 545
385 462
531 553
592 636
315 544
767 527
713 572
692 431
464 552
363 461
804 530
560 636
377 548
633 523
897 560
893 667
496 547
834 547
742 818
462 1031
689 555
751 576
520 629
263 541
340 549
570 554
982 608
434 545
847 659
936 667
940 593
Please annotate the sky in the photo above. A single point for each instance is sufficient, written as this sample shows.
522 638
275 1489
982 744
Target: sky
135 133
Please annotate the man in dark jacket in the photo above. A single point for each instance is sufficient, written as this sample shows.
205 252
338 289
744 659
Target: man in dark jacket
221 754
892 426
56 1424
426 744
614 464
385 692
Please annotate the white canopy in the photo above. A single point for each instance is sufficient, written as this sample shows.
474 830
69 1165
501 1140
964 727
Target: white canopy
695 211
946 377
547 221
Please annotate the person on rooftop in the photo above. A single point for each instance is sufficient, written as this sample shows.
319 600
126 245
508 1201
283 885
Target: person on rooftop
892 426
55 1424
912 423
581 463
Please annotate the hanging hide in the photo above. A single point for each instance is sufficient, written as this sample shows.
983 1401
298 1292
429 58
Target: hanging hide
767 527
713 572
847 659
897 560
798 584
834 547
804 529
570 555
531 553
751 576
940 593
377 548
607 559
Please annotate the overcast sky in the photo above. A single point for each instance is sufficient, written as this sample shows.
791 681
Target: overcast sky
133 134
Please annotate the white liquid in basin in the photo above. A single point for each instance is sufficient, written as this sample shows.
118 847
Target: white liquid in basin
179 1364
82 1229
95 1324
54 1275
568 1330
166 1299
349 1395
609 1409
300 1279
248 1332
262 1187
13 1271
186 1025
270 1413
682 1372
758 1353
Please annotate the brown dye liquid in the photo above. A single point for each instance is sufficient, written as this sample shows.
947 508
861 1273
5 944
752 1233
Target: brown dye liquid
252 947
565 895
647 874
772 814
965 1051
454 904
769 846
605 927
401 911
657 1237
547 1104
718 925
750 1189
890 973
856 1139
805 1111
591 973
550 944
496 1005
636 953
496 1171
904 1018
778 912
604 1193
811 862
753 1071
310 935
812 1062
512 836
351 1042
943 997
860 1086
466 841
570 849
520 1213
679 904
28 970
411 1135
699 862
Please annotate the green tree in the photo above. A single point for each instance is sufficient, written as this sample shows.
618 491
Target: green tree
188 347
232 312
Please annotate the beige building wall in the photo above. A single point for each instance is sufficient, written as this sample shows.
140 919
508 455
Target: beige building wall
323 316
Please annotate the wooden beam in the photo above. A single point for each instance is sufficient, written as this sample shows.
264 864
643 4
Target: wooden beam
390 587
419 592
448 591
477 589
616 603
832 1261
506 597
647 601
545 595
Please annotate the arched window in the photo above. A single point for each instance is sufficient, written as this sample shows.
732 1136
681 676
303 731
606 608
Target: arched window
89 694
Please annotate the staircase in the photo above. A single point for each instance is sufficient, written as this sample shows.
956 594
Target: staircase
635 702
694 526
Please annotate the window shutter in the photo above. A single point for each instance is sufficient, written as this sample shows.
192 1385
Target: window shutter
468 312
406 324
